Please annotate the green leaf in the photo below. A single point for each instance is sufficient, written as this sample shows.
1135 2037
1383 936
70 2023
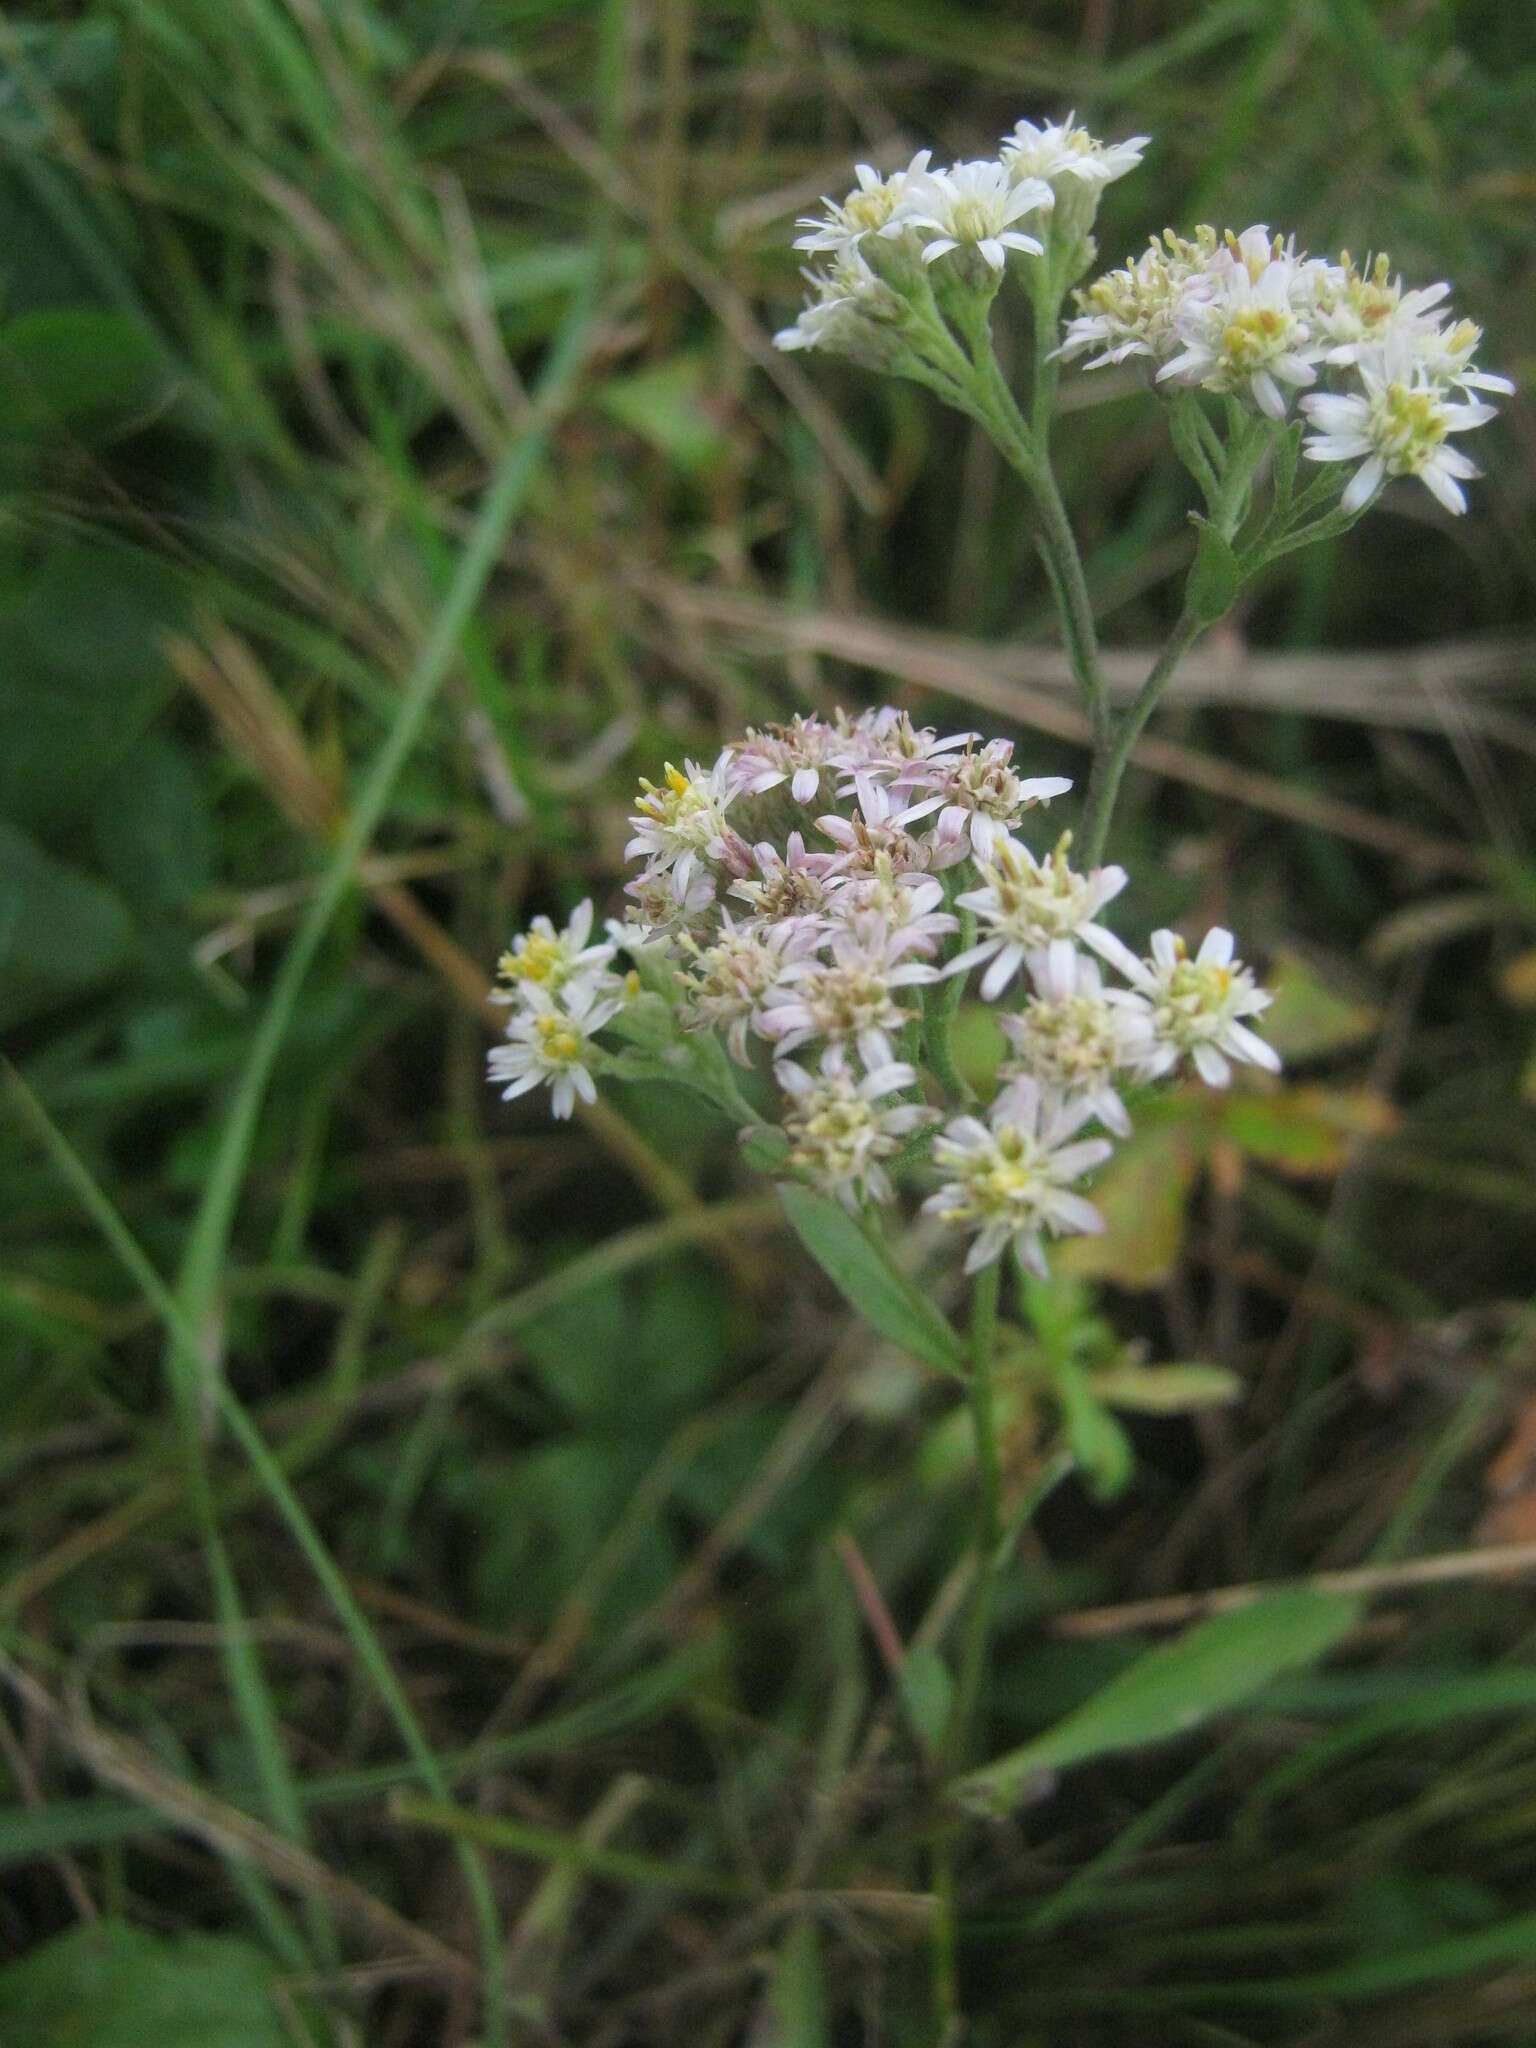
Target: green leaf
1216 577
1306 1130
115 1986
667 406
1141 1194
864 1275
1166 1389
152 826
1217 1665
1099 1446
1308 1019
60 931
75 369
927 1692
82 677
797 2014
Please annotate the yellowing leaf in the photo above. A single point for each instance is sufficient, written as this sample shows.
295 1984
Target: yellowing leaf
1306 1130
1141 1195
1518 981
1309 1019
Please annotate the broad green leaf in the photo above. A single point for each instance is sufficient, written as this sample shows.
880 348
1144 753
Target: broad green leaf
1217 1665
60 931
76 368
865 1276
112 1985
1166 1389
82 677
152 826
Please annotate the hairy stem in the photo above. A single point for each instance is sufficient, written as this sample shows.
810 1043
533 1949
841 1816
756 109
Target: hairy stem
1109 761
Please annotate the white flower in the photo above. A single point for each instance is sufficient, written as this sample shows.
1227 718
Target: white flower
983 797
1445 355
1011 1178
844 311
1130 311
549 1038
885 744
1197 1005
726 982
849 999
795 753
840 1129
865 211
879 826
656 916
890 912
1396 426
682 821
973 206
788 884
1358 309
1248 333
1059 150
1071 1037
544 958
1023 904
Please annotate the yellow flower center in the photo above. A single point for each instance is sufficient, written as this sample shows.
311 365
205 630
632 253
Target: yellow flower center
1255 336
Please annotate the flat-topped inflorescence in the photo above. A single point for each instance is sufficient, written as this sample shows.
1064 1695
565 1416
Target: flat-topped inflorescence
812 904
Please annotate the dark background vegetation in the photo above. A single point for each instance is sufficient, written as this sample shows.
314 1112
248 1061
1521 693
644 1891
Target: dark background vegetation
596 1452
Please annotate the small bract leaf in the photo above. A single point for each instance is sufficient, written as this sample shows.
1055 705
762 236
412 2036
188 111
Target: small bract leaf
865 1275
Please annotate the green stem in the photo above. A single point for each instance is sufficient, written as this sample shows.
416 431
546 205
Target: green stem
939 1013
1109 762
989 1523
989 1495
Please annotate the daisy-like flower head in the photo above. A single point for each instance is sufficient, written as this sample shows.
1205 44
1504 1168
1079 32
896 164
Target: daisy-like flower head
844 314
1012 1179
542 957
972 206
1060 150
725 982
1445 355
681 821
1357 309
850 999
891 913
887 746
796 753
865 211
1396 426
1072 1038
1197 1006
841 1129
1130 311
788 884
1023 904
1250 333
550 1039
656 916
879 826
983 796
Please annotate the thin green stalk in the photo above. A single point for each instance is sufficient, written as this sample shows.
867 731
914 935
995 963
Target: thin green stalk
945 1934
184 1341
939 1014
989 1497
1109 763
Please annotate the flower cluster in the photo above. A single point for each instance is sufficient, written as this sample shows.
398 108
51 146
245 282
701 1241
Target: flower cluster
812 904
1045 180
1250 316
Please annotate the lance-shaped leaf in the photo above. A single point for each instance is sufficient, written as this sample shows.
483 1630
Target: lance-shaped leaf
864 1273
